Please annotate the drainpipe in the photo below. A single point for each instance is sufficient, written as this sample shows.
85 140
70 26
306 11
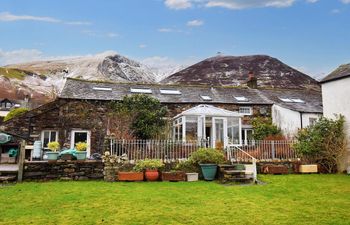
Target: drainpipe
301 120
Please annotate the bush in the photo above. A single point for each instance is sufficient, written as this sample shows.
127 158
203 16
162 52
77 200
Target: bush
207 155
263 128
148 164
15 113
187 167
53 146
323 143
145 113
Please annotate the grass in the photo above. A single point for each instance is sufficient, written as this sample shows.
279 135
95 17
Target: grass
12 73
290 199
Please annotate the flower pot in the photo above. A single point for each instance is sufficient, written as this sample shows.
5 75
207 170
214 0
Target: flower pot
312 168
152 175
81 155
209 171
173 176
52 155
192 177
130 176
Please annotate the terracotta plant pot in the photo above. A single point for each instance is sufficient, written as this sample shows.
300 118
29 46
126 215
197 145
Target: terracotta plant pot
173 176
152 175
130 176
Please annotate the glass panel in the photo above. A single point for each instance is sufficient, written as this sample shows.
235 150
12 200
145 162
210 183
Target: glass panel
53 136
80 137
233 130
191 128
219 132
46 138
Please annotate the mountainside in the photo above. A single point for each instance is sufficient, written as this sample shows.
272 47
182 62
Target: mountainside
45 79
234 70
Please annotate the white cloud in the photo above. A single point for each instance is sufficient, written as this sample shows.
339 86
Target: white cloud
19 56
93 33
142 46
195 23
169 30
345 1
178 4
9 17
335 11
234 4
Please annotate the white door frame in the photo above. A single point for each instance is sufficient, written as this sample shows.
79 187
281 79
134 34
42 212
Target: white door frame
213 138
88 141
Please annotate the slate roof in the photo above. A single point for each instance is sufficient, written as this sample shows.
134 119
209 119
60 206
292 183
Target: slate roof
312 99
341 72
80 89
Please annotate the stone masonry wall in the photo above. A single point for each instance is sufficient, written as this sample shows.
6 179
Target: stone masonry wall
63 170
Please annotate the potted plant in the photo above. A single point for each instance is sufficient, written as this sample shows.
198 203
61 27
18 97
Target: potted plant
190 170
54 146
173 175
81 150
208 159
151 167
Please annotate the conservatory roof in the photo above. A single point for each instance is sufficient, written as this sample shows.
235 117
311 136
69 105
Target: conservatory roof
208 110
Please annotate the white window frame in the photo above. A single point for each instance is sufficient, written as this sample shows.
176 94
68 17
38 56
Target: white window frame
243 108
88 141
42 137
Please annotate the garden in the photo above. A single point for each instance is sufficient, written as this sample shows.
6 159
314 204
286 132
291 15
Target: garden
285 199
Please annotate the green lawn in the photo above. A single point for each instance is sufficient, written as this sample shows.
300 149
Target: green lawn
290 199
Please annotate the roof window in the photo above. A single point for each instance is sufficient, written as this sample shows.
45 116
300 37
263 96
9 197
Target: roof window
241 99
102 89
170 92
206 98
141 90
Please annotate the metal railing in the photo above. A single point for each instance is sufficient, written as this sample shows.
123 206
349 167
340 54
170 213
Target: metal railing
170 150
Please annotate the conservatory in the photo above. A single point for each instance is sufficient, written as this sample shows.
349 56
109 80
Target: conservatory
217 127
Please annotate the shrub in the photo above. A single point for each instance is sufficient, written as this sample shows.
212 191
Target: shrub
323 143
81 146
53 146
187 167
15 113
264 128
207 155
148 164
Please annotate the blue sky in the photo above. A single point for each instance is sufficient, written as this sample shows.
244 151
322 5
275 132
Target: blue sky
310 35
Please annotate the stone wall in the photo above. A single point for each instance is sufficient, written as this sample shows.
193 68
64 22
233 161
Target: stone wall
63 170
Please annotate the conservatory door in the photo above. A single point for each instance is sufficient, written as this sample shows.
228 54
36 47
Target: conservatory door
219 131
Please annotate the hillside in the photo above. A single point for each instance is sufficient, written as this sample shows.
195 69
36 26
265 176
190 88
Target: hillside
234 70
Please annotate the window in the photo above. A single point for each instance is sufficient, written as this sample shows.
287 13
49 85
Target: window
48 136
141 90
102 89
241 98
246 110
233 131
170 92
206 98
81 136
292 100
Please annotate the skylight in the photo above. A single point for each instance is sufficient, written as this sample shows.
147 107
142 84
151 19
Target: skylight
170 92
141 90
292 100
241 98
206 98
102 89
297 100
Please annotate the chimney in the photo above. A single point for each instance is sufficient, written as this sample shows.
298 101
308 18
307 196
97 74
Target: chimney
252 81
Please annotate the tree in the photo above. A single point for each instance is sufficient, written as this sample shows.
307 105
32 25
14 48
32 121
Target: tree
15 112
323 143
145 113
264 128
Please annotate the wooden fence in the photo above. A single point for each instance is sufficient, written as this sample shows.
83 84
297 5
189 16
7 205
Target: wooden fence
170 150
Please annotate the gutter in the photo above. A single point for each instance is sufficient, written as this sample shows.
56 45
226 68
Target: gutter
301 120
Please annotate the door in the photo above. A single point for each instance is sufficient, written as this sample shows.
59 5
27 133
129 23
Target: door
81 136
219 132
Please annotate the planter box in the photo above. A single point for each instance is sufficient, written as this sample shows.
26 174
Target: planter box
308 169
173 176
130 176
275 169
192 176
